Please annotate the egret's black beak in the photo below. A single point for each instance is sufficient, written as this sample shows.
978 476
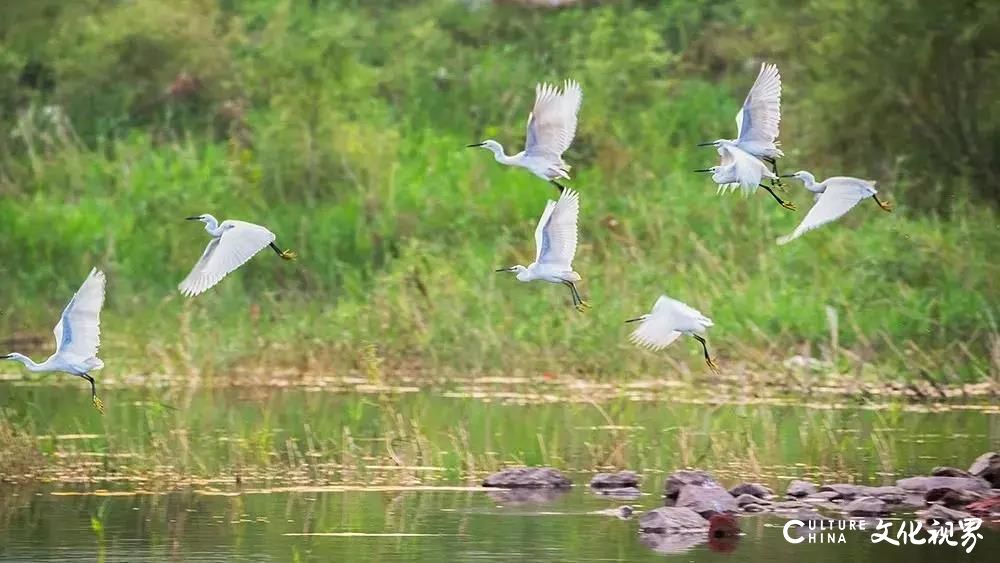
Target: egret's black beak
502 270
635 320
192 218
475 145
786 176
7 357
703 170
708 144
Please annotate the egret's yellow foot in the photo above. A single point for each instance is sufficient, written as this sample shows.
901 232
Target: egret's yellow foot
712 365
582 306
886 206
780 185
288 255
99 405
788 205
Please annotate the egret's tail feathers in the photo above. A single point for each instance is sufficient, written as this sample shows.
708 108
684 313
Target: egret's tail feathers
786 239
572 276
94 363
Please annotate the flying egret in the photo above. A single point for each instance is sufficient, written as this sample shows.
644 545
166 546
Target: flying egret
78 336
757 121
555 243
739 169
232 244
834 198
551 127
668 320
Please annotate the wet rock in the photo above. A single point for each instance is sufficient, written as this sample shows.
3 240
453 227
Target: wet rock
706 499
787 505
798 488
952 498
987 466
671 544
755 489
627 493
847 491
888 493
841 490
938 514
949 472
746 499
528 478
924 484
867 506
672 519
679 479
622 512
822 496
751 507
618 480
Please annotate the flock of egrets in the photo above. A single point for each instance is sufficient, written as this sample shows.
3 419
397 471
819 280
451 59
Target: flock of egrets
551 129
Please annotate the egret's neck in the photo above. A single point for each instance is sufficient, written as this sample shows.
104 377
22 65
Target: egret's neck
809 181
502 157
212 226
28 362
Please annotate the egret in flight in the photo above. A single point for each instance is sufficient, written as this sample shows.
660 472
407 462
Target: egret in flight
555 243
834 198
551 128
740 170
78 336
668 320
757 121
232 244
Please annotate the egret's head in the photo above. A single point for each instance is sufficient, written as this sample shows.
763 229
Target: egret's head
716 143
488 144
515 269
638 319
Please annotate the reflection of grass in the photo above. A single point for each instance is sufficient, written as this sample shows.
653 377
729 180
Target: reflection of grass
19 452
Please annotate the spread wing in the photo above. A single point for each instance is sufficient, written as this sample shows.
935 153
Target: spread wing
78 333
552 122
224 254
556 234
830 205
758 119
666 322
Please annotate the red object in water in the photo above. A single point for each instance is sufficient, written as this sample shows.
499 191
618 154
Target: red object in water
985 507
723 533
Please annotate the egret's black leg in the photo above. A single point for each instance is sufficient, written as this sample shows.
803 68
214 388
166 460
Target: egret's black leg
283 254
708 359
785 204
558 185
885 205
572 292
774 168
577 299
93 392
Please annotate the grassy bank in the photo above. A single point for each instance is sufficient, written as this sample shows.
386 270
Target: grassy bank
342 129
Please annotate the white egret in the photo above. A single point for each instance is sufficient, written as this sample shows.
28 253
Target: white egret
739 169
551 128
668 320
232 244
758 120
834 198
78 336
555 243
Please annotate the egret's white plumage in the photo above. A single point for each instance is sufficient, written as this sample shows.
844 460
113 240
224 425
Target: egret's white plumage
835 196
233 244
550 131
739 170
668 320
758 120
555 246
77 334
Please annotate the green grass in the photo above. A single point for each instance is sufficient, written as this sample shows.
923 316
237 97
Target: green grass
351 150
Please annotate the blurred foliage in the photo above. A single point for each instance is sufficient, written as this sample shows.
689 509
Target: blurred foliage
340 125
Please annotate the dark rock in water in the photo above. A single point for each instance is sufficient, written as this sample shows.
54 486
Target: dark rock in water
672 519
867 506
628 493
823 496
745 499
526 495
528 478
679 479
672 544
842 490
753 508
849 492
938 514
924 484
618 480
949 472
706 499
786 505
910 502
987 466
888 493
952 498
798 488
755 489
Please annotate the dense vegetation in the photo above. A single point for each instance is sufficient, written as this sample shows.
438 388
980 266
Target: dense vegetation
341 126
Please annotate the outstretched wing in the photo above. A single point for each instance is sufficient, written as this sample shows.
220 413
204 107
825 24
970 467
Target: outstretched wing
555 236
552 122
758 119
830 205
224 254
78 333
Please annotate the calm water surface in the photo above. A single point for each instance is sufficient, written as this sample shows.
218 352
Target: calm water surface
306 457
